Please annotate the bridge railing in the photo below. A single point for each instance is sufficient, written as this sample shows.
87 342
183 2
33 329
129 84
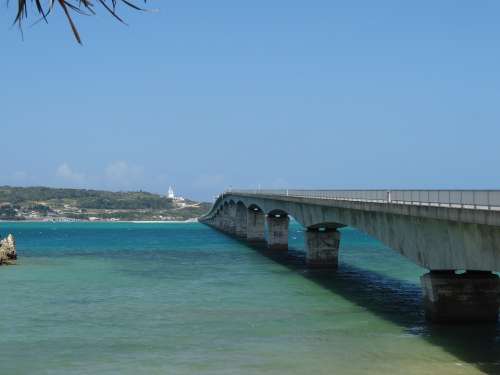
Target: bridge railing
472 199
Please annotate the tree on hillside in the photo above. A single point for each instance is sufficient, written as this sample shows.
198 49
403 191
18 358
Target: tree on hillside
84 7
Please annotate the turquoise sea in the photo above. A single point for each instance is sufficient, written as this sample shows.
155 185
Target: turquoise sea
124 298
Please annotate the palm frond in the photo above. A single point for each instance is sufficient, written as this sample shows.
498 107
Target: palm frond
83 7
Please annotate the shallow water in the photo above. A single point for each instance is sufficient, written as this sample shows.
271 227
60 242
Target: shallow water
123 298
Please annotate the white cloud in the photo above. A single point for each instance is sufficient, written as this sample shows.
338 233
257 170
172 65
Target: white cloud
65 172
122 173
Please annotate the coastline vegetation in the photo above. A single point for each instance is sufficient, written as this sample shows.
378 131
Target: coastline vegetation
36 203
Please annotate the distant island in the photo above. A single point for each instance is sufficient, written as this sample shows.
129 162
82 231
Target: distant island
55 204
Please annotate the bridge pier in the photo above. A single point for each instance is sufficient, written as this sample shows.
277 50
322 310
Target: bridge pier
255 226
322 245
230 225
214 222
473 296
277 225
241 221
219 222
229 219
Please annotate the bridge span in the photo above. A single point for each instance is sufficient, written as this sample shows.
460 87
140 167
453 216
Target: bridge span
455 234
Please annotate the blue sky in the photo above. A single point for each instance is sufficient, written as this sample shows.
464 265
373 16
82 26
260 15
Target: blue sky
204 95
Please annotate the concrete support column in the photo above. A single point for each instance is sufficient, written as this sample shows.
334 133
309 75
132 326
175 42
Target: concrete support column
277 226
241 228
322 246
473 296
255 226
241 222
218 221
228 224
223 223
231 218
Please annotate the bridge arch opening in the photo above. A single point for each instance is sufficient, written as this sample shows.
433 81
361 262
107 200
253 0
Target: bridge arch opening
325 226
278 213
254 208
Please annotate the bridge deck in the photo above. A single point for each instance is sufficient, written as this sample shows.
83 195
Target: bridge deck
466 206
467 199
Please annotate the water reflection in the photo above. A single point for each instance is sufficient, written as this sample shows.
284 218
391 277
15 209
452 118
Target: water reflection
400 302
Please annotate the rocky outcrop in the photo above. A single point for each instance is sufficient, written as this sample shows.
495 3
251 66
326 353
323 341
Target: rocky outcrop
8 253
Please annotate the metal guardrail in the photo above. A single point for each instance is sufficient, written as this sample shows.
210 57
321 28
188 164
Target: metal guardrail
470 199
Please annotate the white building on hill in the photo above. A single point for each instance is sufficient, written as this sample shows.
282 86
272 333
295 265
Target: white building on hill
171 195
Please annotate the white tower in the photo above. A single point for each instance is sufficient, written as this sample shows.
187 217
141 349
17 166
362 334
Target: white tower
170 193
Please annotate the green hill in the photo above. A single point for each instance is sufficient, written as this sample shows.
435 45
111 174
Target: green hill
40 202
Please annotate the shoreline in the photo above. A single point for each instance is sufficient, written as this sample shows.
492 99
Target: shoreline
107 221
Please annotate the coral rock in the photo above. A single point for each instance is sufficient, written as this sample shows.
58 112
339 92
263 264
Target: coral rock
8 253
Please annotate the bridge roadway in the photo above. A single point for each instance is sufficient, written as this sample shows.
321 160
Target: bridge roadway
454 234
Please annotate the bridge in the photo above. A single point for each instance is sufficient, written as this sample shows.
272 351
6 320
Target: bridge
455 234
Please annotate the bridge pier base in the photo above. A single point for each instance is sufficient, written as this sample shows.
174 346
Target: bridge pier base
231 219
220 224
230 225
214 223
461 298
277 226
241 221
255 226
322 247
241 230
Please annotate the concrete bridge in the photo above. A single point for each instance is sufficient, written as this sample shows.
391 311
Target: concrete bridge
454 234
